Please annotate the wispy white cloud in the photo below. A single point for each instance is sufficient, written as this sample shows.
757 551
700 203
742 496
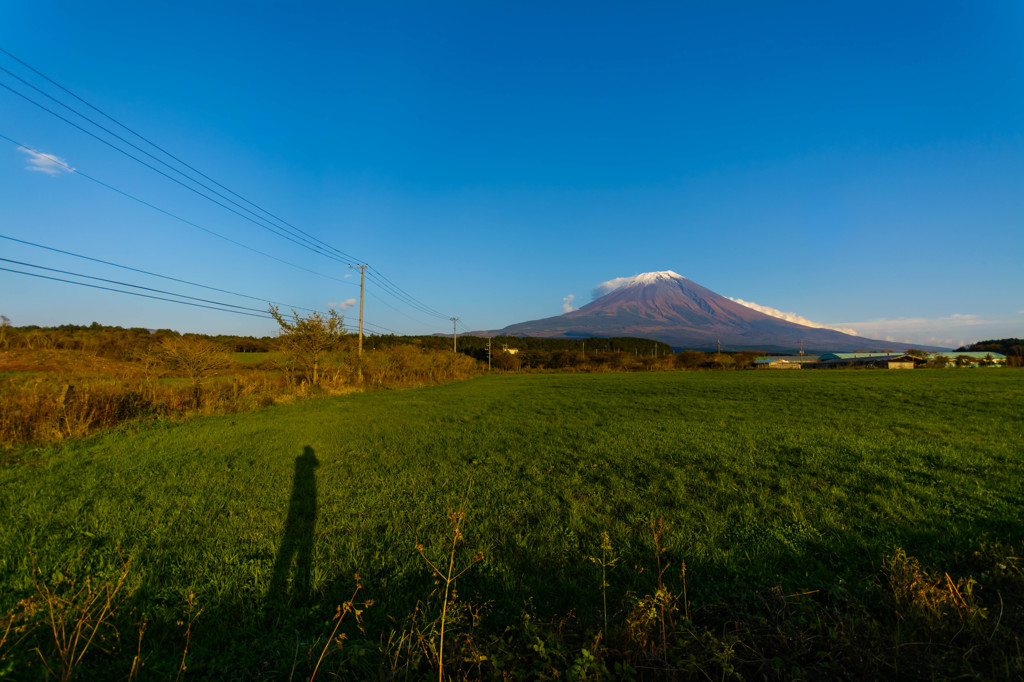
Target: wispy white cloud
951 331
567 303
46 163
882 325
343 305
609 286
793 317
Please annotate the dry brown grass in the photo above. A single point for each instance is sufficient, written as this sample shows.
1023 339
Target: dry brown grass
926 600
80 616
53 394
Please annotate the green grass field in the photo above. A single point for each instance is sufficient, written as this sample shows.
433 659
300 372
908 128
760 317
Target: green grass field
770 483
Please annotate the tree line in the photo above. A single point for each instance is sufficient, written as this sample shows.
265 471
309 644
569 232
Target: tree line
1012 348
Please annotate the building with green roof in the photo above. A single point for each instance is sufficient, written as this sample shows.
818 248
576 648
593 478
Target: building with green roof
904 361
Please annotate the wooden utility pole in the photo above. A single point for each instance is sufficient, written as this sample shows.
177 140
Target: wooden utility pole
455 331
362 282
488 354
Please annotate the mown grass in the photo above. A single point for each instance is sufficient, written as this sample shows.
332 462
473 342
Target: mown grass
771 484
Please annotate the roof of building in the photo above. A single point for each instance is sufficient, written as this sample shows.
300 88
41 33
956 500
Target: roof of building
864 358
853 356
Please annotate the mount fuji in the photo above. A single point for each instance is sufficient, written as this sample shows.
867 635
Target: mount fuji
667 307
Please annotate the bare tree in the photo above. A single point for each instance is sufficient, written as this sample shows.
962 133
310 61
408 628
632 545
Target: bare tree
195 356
310 338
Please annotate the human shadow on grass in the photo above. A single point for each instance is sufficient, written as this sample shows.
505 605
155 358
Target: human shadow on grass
298 543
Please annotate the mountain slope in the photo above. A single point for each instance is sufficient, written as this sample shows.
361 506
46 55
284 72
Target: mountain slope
668 307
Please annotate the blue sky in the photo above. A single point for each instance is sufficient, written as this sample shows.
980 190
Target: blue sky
857 164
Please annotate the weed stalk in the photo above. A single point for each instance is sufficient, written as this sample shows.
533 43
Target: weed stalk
192 615
657 528
449 577
339 615
606 561
76 620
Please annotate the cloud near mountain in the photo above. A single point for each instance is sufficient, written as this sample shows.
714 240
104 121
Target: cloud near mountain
791 317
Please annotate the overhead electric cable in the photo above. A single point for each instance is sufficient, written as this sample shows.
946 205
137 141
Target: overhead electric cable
100 279
270 228
76 171
127 284
405 298
309 244
164 151
400 312
306 240
398 292
134 293
377 326
153 274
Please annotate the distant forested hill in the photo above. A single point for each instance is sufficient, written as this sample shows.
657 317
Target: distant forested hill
1013 349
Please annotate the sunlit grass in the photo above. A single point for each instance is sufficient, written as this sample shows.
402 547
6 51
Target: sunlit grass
800 479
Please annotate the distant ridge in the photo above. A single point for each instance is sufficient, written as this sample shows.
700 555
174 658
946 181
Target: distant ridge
667 307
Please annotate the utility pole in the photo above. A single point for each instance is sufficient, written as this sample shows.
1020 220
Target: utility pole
455 331
362 282
488 354
801 352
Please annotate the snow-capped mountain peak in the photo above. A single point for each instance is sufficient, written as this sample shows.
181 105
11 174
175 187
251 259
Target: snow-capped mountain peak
669 307
643 279
653 277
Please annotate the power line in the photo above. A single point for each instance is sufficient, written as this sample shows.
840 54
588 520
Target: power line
379 274
376 276
377 326
161 149
143 151
405 298
400 312
410 300
237 309
135 293
152 274
128 284
270 228
308 241
76 171
240 311
118 137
